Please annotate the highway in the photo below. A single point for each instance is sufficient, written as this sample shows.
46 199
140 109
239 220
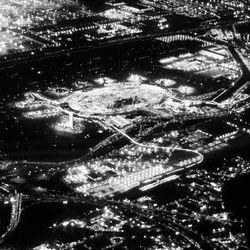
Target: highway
16 209
76 113
47 53
240 84
160 217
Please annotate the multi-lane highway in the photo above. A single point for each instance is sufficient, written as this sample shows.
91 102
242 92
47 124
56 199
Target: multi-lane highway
15 200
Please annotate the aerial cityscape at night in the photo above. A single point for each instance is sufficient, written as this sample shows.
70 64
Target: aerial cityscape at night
125 124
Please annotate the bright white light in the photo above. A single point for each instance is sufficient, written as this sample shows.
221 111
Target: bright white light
186 90
136 78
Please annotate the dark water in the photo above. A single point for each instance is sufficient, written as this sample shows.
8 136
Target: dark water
96 6
236 198
34 226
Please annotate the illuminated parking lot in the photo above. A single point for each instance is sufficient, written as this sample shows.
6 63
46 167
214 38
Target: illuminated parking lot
211 62
14 43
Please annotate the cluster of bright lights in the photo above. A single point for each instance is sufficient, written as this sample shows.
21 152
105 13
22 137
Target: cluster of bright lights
135 78
64 126
117 29
204 62
130 166
25 12
115 13
104 80
11 41
109 102
163 24
165 82
41 114
58 92
205 9
186 90
219 143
